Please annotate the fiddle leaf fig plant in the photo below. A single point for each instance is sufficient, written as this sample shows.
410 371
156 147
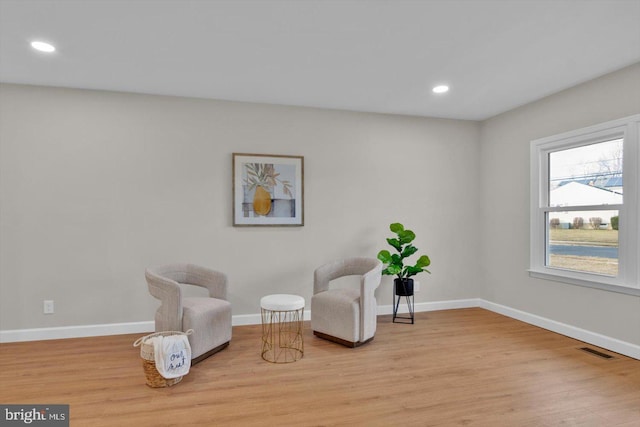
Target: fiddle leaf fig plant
402 244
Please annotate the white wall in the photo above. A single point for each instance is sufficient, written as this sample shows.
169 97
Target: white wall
504 164
95 186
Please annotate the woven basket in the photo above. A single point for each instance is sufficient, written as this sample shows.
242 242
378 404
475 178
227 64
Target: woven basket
154 379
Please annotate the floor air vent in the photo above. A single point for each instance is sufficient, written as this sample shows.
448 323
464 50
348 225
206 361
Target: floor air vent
596 353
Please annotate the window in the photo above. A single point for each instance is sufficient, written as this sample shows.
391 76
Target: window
584 206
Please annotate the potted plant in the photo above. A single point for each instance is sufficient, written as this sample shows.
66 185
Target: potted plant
394 263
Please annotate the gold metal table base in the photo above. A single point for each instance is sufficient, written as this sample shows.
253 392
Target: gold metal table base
282 340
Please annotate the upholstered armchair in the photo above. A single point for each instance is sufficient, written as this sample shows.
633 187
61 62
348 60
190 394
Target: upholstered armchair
209 317
346 316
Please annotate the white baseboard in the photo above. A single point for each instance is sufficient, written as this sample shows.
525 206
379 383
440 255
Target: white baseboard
75 331
613 344
61 332
256 319
618 346
84 331
431 306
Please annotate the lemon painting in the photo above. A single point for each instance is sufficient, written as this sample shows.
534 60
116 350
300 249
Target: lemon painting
269 190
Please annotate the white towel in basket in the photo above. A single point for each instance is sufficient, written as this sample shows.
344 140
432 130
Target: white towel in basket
173 355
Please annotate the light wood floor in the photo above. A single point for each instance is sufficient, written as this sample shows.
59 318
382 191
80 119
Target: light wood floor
466 367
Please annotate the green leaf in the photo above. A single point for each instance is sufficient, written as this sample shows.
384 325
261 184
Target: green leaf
412 271
406 236
423 261
395 243
384 256
396 259
396 227
393 269
408 251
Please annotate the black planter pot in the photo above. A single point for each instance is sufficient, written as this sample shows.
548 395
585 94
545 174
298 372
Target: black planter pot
404 287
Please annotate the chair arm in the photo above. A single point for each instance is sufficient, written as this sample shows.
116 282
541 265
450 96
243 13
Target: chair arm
321 279
324 274
170 295
368 304
215 281
371 279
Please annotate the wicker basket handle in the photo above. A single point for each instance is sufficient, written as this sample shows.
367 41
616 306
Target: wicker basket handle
140 340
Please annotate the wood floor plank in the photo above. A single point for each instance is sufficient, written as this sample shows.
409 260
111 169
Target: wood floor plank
451 368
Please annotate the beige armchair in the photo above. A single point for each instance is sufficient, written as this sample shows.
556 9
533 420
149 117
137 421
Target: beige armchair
346 316
209 317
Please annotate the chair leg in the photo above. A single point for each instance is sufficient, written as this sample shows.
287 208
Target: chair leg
209 353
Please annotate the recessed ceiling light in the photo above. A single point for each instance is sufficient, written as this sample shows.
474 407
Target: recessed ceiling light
441 89
43 47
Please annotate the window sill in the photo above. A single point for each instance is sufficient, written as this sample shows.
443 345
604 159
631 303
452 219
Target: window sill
559 277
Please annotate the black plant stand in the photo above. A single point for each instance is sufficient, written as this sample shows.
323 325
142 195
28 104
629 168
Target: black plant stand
403 288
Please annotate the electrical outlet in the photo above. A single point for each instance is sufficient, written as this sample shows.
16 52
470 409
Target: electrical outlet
416 286
48 307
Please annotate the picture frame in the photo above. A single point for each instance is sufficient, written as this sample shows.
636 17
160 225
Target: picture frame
268 190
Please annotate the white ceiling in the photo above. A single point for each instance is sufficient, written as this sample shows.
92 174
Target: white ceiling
375 56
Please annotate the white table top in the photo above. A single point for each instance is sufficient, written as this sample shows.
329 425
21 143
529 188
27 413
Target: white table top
282 302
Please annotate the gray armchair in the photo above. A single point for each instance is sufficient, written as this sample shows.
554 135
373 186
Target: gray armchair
346 316
209 317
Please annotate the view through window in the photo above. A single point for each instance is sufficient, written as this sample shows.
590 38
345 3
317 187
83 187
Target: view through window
587 181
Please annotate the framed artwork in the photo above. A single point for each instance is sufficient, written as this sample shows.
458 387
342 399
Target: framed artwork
268 190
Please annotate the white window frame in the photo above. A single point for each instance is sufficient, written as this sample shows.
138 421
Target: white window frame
629 237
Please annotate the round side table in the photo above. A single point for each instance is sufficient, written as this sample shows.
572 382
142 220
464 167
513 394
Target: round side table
282 322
